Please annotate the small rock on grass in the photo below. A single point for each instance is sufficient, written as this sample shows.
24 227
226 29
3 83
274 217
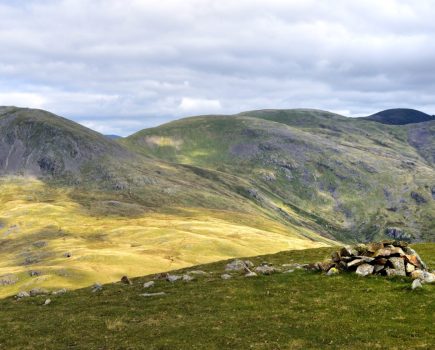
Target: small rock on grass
149 284
97 287
38 291
251 274
226 276
332 271
47 301
126 280
22 294
187 278
59 292
416 284
173 278
152 294
197 272
265 269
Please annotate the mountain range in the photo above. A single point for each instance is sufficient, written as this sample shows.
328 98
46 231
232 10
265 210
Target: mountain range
76 204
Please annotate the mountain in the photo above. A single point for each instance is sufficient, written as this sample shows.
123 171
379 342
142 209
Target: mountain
113 137
359 179
77 207
401 116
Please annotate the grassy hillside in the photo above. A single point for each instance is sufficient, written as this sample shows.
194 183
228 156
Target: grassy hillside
72 237
298 310
358 179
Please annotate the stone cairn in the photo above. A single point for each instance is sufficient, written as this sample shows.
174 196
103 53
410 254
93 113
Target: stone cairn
388 258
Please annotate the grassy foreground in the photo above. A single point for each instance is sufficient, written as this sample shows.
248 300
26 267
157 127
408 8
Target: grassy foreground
298 310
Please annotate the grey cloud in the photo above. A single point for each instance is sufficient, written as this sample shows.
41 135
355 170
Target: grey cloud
120 65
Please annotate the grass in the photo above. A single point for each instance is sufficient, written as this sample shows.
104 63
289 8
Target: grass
299 310
109 235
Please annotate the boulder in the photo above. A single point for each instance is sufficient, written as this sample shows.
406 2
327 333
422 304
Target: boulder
394 272
419 262
365 269
417 274
355 263
399 265
236 265
149 284
409 268
348 251
389 251
428 277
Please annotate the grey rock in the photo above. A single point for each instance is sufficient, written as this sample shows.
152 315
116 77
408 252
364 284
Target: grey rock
365 269
289 271
265 269
249 264
173 278
152 294
250 274
399 266
409 268
38 291
378 268
428 277
22 294
59 292
97 287
187 278
47 302
236 265
393 272
197 272
416 284
149 284
226 276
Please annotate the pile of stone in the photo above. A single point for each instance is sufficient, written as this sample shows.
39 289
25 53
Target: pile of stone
388 258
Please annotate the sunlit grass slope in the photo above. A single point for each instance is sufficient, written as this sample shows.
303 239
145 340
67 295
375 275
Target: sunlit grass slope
73 237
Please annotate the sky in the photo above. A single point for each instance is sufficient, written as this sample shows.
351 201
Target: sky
119 66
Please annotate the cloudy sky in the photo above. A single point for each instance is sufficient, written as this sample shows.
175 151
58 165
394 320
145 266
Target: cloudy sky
121 65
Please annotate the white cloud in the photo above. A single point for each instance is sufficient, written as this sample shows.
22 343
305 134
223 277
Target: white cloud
22 99
198 105
101 61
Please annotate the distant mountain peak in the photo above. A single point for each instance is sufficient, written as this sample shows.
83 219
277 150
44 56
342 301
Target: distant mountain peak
400 116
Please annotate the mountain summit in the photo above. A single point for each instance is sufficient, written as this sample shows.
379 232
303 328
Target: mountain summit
400 116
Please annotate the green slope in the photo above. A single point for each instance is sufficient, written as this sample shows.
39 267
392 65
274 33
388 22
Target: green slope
113 211
298 310
358 179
